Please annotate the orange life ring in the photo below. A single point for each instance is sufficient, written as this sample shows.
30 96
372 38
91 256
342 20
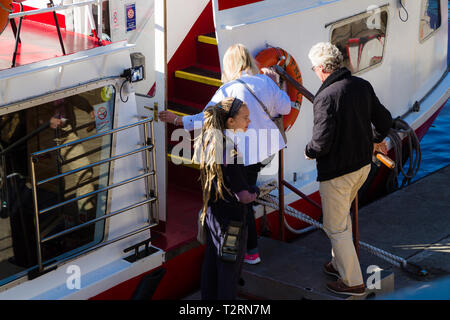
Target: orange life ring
5 10
272 56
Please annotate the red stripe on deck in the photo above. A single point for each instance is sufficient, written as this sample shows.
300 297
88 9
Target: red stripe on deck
45 18
40 42
228 4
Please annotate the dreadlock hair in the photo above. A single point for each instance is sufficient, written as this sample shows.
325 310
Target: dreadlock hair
208 148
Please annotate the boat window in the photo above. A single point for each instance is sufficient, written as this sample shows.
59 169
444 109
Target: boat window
361 39
39 128
430 18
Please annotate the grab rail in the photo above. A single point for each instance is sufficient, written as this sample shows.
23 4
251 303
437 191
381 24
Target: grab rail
54 8
151 195
281 15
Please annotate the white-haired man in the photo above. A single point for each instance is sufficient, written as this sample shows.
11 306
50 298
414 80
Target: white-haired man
345 108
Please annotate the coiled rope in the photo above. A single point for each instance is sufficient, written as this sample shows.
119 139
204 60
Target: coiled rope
401 127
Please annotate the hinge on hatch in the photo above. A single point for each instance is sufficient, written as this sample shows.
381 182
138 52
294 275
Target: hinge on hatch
154 109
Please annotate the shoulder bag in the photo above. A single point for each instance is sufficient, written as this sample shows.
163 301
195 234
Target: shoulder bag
277 120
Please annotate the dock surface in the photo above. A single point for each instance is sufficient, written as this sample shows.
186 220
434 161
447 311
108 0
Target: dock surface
412 223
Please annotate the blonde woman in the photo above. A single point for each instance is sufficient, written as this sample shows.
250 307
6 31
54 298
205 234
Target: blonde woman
238 64
225 195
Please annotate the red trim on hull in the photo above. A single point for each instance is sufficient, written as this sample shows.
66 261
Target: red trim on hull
181 278
423 129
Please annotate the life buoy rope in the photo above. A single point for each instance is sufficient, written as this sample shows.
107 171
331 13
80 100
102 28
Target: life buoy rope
278 56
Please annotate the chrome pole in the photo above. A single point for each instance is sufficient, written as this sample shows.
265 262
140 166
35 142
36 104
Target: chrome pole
155 178
90 194
36 213
147 169
95 136
93 165
99 21
80 226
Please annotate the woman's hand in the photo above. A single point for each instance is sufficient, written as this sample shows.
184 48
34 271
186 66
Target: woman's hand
168 117
272 75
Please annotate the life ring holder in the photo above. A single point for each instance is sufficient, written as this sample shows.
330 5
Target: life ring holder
4 13
277 56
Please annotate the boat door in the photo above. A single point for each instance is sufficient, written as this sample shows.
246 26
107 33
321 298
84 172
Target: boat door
78 172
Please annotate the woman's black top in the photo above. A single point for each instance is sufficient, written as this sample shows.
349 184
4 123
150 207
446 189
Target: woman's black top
230 208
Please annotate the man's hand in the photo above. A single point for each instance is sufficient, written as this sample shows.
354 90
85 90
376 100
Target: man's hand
380 147
306 157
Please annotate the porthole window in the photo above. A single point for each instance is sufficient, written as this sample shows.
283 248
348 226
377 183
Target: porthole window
361 39
430 18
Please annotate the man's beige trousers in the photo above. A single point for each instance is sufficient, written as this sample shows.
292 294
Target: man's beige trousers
337 196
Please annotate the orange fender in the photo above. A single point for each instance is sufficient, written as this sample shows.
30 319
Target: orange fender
272 56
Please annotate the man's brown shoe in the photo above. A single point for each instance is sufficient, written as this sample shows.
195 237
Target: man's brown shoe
341 288
329 269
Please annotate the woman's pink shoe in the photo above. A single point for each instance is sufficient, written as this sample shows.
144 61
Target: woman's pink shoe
252 258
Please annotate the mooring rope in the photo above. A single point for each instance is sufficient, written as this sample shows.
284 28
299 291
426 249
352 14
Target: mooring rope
272 201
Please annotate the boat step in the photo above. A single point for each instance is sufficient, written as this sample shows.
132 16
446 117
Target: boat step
182 108
209 38
207 52
200 75
181 159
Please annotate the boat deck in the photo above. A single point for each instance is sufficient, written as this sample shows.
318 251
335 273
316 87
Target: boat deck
412 223
40 41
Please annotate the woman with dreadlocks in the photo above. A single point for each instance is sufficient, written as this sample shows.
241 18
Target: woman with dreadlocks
225 195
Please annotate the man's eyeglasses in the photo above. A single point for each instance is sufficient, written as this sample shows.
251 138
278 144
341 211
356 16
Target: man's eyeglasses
313 68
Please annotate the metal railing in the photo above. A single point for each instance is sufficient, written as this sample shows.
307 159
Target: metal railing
55 8
151 188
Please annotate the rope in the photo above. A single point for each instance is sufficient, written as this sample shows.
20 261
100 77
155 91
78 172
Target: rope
272 201
415 155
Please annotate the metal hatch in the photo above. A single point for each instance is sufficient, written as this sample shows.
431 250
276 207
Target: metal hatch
149 176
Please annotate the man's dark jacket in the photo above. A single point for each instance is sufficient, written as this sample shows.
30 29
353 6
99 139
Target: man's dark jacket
344 109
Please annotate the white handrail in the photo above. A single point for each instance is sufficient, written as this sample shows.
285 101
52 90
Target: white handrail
321 3
54 8
120 46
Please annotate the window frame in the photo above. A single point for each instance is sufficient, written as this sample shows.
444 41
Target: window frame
431 34
67 257
358 16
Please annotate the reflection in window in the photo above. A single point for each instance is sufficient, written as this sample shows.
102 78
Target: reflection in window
361 41
430 17
39 128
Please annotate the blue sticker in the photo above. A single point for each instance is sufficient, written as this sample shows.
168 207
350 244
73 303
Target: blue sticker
130 11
